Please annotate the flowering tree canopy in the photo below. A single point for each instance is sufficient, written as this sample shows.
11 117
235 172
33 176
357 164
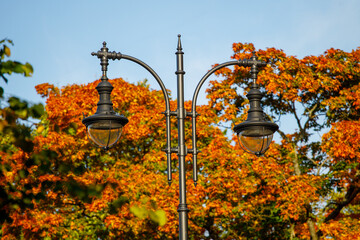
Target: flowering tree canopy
55 184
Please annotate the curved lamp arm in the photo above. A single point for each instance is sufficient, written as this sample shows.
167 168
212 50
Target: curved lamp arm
252 62
194 114
167 150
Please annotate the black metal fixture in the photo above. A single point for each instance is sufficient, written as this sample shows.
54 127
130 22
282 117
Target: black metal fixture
104 127
255 134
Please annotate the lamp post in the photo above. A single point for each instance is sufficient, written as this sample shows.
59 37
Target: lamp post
105 126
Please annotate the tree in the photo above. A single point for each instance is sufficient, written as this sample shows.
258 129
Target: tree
20 165
301 188
14 135
128 196
316 183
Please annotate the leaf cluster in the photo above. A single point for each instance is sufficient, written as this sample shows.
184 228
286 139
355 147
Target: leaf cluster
65 187
7 67
317 93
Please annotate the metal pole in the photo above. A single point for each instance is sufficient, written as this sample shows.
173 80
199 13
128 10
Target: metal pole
181 114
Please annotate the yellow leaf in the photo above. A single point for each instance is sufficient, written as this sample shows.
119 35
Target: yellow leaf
139 212
158 216
7 51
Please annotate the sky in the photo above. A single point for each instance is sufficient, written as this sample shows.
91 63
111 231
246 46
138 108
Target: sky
57 37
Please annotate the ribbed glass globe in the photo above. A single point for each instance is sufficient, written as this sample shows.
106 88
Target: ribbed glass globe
104 133
255 139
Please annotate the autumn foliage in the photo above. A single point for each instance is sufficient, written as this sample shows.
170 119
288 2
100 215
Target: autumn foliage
60 186
314 191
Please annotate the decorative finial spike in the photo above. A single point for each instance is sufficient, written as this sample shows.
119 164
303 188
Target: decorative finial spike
104 44
169 182
179 43
195 183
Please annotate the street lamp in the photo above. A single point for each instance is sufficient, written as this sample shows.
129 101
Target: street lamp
105 126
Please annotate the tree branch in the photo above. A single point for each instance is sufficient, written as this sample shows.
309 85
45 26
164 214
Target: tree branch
293 108
283 135
352 192
311 115
350 195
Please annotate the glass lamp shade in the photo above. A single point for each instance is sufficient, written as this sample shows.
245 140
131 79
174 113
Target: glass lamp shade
104 133
105 129
255 137
256 141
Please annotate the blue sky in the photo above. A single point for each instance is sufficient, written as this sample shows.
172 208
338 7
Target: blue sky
57 37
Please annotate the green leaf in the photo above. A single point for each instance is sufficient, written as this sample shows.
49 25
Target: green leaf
37 110
28 70
139 212
20 107
7 40
9 67
25 69
72 129
159 216
23 113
